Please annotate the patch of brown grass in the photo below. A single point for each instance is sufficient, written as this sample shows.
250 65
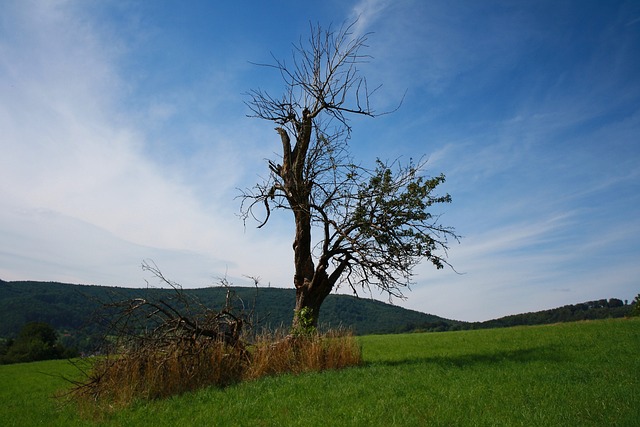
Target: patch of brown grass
185 365
277 354
151 373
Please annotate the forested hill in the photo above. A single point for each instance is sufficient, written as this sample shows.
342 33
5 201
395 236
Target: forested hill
71 308
590 310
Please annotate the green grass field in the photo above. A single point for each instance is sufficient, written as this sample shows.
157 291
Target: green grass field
574 374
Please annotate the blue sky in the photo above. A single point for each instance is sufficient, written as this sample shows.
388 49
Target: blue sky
124 137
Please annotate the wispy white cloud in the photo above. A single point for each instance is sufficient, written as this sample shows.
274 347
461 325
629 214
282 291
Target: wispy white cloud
522 267
367 12
65 147
53 246
70 149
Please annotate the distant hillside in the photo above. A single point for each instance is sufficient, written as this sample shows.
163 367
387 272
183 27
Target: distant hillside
71 308
590 310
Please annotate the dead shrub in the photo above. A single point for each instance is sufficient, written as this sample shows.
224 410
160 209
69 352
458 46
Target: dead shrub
157 372
164 345
159 348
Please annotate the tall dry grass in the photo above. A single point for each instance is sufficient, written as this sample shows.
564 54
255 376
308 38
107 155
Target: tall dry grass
279 353
151 373
180 366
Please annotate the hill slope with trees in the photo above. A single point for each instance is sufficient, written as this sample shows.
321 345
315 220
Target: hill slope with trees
590 310
72 310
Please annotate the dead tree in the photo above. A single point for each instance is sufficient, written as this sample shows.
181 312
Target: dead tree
372 226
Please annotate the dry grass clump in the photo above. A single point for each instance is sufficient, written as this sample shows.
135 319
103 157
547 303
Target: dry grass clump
277 354
157 372
154 372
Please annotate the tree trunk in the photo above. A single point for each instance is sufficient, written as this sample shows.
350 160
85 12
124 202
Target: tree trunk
308 292
311 296
311 284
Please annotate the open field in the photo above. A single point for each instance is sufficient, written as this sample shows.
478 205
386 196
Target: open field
585 373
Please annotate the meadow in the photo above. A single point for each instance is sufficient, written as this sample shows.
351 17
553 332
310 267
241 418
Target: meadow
583 373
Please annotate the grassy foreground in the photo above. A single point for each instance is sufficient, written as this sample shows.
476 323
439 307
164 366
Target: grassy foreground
585 373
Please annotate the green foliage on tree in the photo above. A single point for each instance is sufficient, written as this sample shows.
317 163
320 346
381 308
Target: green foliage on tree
304 325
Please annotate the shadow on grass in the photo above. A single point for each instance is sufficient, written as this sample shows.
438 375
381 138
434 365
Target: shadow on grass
551 354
